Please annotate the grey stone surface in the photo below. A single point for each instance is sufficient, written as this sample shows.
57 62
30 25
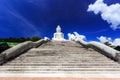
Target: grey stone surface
61 57
38 43
2 59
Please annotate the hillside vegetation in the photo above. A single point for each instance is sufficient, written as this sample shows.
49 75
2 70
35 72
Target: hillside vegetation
6 43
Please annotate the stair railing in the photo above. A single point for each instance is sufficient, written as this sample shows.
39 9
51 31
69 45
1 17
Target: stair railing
102 48
19 49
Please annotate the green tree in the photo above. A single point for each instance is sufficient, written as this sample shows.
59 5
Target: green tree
117 48
35 38
107 43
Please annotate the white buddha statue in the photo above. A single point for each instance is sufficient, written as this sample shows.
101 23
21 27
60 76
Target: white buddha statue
58 36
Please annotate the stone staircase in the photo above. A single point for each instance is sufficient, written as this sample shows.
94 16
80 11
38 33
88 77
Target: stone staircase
65 57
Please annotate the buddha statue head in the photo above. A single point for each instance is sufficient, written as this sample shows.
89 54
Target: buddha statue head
58 29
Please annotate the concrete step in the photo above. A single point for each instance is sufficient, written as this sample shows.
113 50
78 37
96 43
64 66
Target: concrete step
60 69
60 59
17 66
59 64
82 61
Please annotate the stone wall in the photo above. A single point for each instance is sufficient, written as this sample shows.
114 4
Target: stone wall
106 50
18 50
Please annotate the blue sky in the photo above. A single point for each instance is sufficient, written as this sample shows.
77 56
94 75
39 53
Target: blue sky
27 18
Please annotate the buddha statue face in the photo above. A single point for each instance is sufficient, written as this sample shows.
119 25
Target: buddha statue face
58 30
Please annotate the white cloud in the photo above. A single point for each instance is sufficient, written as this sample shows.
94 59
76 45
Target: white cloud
104 39
115 42
76 36
111 13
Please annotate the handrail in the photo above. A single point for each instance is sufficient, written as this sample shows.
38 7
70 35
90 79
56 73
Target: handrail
105 50
19 49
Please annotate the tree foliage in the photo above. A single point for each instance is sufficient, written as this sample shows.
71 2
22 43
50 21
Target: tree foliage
22 39
107 43
117 48
35 38
3 46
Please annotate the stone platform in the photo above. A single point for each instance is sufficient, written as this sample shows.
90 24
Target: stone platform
61 59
